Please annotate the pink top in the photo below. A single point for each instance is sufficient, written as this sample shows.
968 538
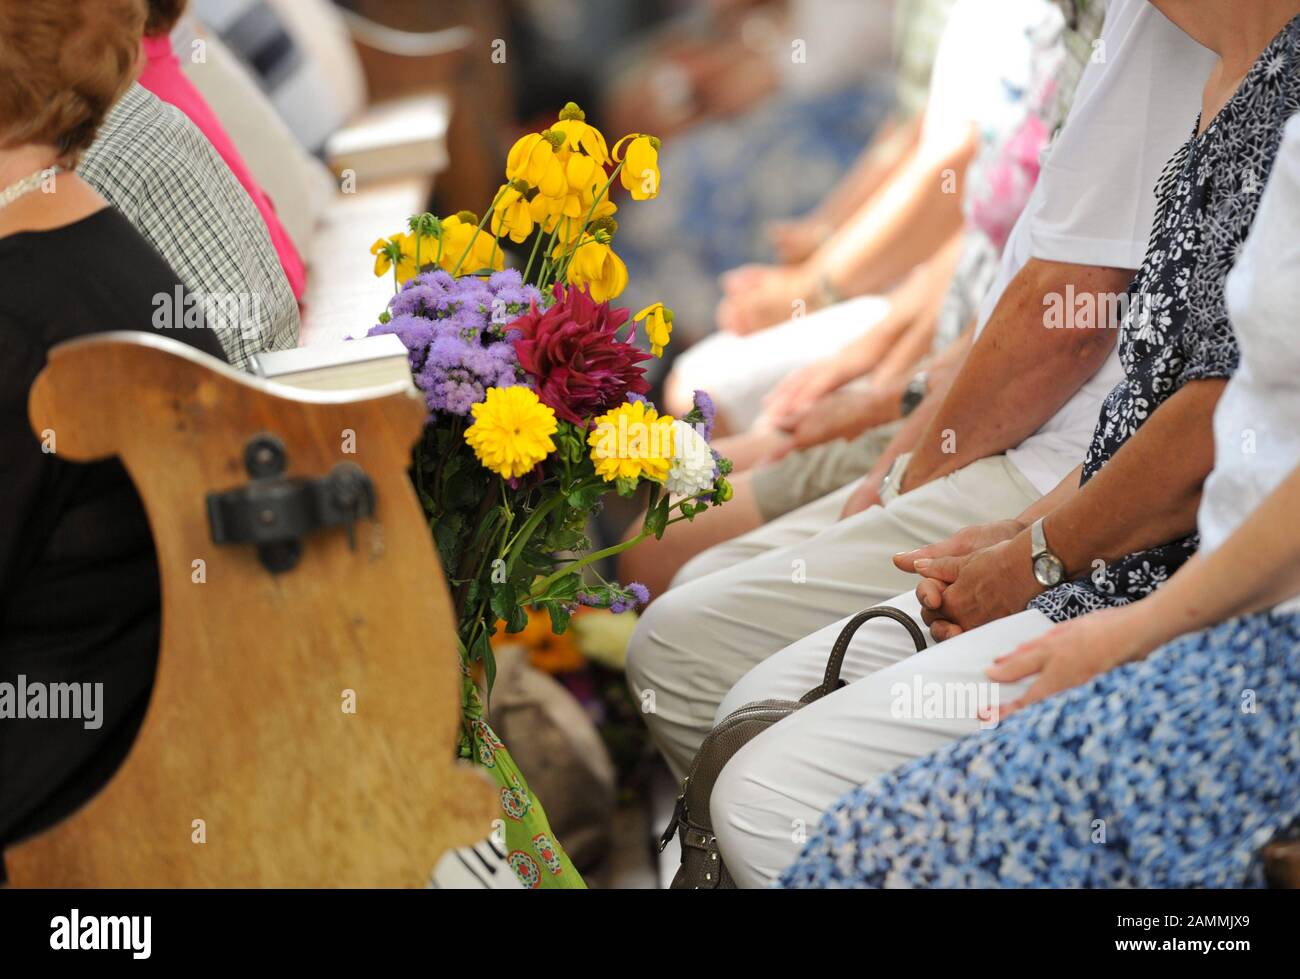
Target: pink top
162 75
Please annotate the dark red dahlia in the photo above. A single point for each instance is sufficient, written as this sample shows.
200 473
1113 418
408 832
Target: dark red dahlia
580 366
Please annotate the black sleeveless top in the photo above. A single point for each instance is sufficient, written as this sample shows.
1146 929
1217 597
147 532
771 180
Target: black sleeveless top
79 595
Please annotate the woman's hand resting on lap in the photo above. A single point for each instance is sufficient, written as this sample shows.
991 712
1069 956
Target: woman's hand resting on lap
1071 654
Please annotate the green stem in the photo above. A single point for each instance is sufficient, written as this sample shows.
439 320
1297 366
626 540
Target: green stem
547 265
536 242
482 221
539 588
526 531
567 258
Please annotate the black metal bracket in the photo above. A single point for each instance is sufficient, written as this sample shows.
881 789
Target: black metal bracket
275 513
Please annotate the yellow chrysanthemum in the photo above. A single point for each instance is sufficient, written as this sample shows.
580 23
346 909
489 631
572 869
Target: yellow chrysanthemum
457 233
595 266
658 326
640 173
579 135
398 251
512 431
631 442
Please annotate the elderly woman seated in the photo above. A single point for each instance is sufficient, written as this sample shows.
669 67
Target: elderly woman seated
79 590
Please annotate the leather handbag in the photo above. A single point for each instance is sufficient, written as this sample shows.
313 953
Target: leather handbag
702 865
1282 863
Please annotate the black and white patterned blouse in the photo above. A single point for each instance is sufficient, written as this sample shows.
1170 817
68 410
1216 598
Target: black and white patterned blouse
1176 328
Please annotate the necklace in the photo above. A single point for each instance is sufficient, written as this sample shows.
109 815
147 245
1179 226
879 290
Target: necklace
27 185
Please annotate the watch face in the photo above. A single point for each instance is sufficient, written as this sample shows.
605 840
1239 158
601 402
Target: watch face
1048 570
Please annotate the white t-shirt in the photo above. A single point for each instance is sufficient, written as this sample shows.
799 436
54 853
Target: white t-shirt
1257 421
981 70
1136 103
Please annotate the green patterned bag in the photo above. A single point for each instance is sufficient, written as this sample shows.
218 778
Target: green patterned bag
534 854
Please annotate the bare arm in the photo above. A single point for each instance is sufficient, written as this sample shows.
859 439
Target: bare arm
1120 511
1020 372
943 370
1123 509
879 162
899 227
1257 567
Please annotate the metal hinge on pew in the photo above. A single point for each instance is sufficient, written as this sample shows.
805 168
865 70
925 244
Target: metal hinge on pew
275 513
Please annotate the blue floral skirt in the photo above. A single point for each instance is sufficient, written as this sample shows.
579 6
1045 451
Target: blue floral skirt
1170 772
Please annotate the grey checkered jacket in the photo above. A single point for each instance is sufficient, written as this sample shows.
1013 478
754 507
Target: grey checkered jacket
158 169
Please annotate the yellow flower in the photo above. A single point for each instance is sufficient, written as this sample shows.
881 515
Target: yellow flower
533 160
583 176
512 431
658 326
632 441
569 212
581 136
595 266
640 173
398 250
512 214
603 636
458 231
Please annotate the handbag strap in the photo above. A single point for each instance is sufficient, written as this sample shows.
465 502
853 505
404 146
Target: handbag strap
832 679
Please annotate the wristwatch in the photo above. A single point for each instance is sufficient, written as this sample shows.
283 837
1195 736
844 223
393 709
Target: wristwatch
890 485
1048 568
914 393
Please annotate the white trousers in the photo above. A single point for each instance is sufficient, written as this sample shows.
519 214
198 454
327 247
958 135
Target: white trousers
898 706
738 604
738 371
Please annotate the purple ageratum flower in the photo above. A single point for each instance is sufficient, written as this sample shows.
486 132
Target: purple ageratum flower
415 333
617 598
511 297
436 277
704 405
455 331
417 300
458 372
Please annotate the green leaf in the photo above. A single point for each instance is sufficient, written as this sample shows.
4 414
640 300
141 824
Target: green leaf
656 519
562 589
585 497
505 603
560 616
482 652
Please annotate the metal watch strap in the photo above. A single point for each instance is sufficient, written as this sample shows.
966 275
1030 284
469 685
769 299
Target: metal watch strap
889 487
1037 539
1040 552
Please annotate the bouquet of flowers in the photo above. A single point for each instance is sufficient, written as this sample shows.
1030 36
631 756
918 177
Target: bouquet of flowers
537 410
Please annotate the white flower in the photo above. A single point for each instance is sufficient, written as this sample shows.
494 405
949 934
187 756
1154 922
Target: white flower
691 472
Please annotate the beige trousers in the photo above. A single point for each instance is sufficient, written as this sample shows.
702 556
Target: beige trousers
737 604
